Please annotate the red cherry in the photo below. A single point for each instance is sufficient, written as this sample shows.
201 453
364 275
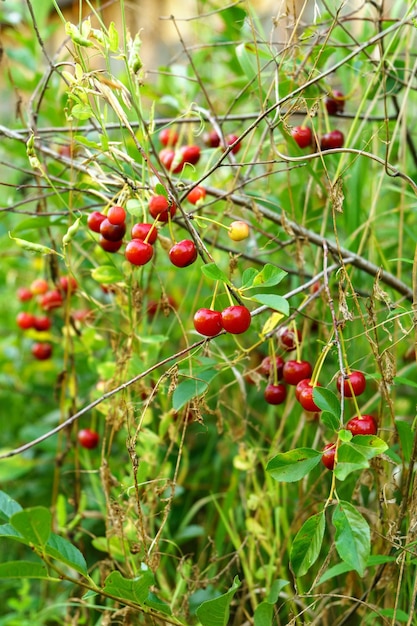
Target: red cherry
138 252
266 368
190 154
196 195
42 323
110 246
231 139
160 208
328 456
112 232
42 351
362 425
183 253
94 221
208 322
25 320
168 137
211 139
288 339
294 371
143 231
24 294
331 140
236 319
301 385
171 160
51 300
68 284
116 215
39 286
88 438
305 396
335 103
353 385
302 135
81 315
275 394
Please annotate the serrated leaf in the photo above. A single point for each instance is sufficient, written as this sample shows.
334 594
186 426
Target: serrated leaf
132 589
329 419
8 506
211 270
107 274
63 550
293 465
216 612
355 454
269 276
353 536
273 301
327 401
191 388
307 544
23 569
34 524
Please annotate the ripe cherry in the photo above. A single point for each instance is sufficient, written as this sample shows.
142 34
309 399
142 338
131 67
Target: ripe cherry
168 137
288 338
238 230
353 385
304 395
208 322
302 135
25 320
196 195
171 160
275 394
42 351
138 252
160 208
331 140
190 154
42 323
51 300
112 232
230 140
39 286
88 438
335 103
143 231
362 425
94 221
68 284
24 294
236 319
328 456
110 246
266 368
116 215
183 253
294 371
211 139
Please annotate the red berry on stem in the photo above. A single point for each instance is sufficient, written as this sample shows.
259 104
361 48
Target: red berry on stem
190 154
335 103
144 231
304 396
112 232
331 140
168 137
68 284
25 320
275 394
294 371
51 300
42 323
116 215
39 286
353 385
230 140
362 425
303 383
171 160
138 252
42 351
110 246
183 253
24 294
288 338
236 319
88 438
208 322
94 221
328 456
266 368
160 208
302 135
196 194
211 139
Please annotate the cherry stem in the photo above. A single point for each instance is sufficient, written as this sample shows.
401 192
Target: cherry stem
319 364
153 227
296 340
197 218
216 286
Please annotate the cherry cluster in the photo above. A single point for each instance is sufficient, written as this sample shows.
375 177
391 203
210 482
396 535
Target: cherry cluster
47 299
234 319
303 135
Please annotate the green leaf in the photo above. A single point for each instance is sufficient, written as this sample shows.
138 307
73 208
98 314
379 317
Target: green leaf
113 37
134 207
273 301
106 274
327 401
329 419
81 111
406 435
160 190
269 276
216 612
293 465
190 388
264 612
248 277
345 435
23 569
35 223
8 506
154 339
355 454
155 603
34 524
211 270
307 544
353 537
63 550
131 589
